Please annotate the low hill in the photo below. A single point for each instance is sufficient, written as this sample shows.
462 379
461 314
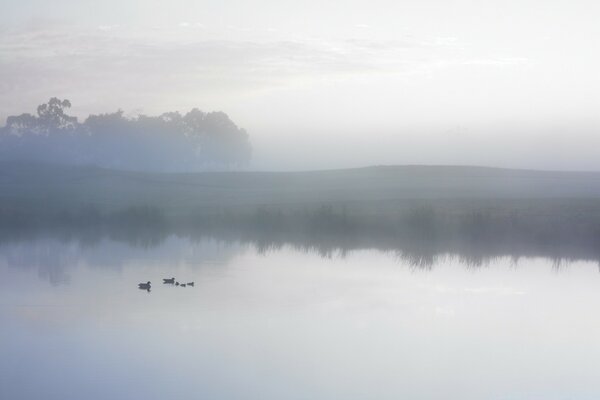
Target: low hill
60 187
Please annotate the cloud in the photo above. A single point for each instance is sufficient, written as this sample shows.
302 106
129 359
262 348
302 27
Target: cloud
499 61
499 291
108 27
117 60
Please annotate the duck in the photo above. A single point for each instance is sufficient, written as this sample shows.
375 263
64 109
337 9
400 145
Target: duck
169 280
176 283
190 283
144 286
182 285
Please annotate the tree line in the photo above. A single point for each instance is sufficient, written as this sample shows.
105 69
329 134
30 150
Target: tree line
169 142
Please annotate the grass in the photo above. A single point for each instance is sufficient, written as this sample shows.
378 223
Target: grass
424 211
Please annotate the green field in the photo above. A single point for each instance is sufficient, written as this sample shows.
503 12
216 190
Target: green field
373 188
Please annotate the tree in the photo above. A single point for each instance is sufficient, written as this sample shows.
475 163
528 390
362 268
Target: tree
52 115
21 124
171 141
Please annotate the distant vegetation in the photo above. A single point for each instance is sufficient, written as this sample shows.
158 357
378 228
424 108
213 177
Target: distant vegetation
168 142
420 212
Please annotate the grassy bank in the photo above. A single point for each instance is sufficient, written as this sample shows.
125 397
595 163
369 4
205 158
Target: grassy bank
426 211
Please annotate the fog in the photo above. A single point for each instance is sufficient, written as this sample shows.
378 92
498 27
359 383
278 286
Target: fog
508 146
341 84
276 199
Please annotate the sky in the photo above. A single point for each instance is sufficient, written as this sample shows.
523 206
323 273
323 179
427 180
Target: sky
328 84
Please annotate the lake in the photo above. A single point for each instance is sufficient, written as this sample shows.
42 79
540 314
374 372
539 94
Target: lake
290 323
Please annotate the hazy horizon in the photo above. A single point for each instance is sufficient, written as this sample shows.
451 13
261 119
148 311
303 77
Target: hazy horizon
336 85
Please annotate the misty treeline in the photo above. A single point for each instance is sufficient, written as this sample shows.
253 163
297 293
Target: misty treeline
168 142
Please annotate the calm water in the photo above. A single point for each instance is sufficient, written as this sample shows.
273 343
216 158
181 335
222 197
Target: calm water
288 324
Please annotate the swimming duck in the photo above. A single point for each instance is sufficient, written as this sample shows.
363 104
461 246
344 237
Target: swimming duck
144 286
182 285
190 283
169 280
176 283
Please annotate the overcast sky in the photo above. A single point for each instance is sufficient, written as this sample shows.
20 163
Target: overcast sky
321 84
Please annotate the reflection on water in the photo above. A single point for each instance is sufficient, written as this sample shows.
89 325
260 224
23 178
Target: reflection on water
420 250
277 322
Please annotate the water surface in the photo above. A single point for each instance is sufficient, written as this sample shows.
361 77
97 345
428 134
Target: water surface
291 324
